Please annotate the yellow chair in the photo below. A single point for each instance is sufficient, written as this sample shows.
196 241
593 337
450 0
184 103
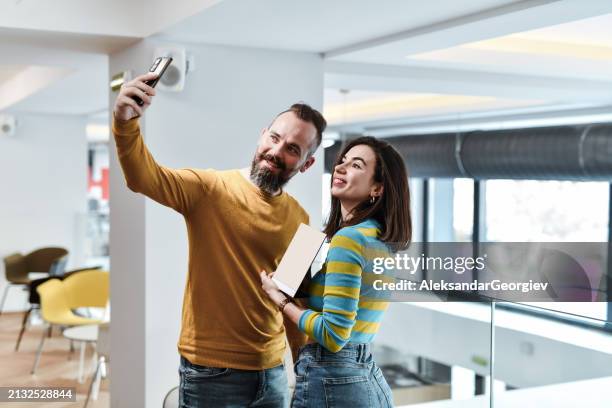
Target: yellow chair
58 299
87 289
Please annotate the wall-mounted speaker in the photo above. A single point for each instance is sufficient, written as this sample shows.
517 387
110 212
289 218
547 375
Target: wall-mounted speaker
174 78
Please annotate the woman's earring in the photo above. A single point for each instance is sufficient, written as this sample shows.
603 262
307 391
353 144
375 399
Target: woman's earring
372 200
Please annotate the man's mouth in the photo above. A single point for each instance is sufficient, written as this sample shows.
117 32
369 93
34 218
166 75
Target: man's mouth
272 164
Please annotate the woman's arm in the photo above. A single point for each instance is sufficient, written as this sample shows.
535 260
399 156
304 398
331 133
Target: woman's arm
290 309
340 295
295 336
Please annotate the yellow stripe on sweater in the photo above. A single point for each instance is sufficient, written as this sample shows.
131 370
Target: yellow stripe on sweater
343 332
346 243
340 291
348 268
373 305
369 278
369 232
366 327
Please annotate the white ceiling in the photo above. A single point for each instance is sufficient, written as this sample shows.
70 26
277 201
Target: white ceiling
316 25
75 37
122 18
9 71
406 59
78 92
560 60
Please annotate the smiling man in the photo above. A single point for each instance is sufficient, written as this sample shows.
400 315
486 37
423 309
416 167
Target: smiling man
239 222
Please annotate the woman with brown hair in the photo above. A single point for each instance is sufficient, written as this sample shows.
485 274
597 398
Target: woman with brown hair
370 216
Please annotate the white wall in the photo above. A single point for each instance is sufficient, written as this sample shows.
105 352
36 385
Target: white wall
43 188
215 122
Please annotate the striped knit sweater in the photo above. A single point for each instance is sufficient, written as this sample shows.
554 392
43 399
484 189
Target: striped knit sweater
342 305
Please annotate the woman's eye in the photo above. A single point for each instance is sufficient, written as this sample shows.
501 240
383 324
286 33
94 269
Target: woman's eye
355 165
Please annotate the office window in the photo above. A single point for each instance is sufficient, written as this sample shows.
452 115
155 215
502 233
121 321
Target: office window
463 209
549 211
546 211
451 208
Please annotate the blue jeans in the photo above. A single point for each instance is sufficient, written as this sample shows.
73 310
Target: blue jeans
349 378
214 387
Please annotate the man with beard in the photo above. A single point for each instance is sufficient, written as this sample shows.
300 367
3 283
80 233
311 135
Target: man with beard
239 223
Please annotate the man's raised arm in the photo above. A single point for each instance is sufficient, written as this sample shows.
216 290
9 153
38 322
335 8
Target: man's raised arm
179 189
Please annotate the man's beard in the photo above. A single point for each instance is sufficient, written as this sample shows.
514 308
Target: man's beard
264 178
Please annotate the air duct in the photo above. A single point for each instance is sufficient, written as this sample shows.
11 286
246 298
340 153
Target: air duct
545 153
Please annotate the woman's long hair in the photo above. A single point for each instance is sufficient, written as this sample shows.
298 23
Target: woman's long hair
392 208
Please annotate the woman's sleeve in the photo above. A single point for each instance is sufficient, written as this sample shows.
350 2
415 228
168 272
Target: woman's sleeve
344 266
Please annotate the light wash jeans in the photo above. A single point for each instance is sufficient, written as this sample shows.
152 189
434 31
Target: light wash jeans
214 387
349 378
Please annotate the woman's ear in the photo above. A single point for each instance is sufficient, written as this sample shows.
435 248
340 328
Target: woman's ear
377 190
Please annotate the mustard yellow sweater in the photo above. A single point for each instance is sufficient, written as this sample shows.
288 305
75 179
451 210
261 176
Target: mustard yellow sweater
234 232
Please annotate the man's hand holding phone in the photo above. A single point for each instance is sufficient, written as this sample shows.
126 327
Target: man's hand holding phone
135 96
126 107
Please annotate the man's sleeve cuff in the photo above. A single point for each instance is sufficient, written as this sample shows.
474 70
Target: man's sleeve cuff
125 127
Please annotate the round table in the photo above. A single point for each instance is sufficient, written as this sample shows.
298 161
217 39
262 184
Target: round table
84 334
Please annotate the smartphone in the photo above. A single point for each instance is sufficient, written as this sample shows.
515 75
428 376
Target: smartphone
159 67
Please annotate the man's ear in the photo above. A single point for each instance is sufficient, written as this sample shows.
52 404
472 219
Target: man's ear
309 162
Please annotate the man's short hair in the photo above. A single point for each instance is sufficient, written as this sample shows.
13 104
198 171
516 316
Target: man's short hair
308 114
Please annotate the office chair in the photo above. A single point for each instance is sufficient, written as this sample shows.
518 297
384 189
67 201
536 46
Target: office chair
34 298
58 299
51 260
171 400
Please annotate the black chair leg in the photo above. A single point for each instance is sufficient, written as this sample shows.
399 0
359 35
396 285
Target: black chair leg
23 327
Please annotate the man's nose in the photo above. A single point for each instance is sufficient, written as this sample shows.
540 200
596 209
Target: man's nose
276 149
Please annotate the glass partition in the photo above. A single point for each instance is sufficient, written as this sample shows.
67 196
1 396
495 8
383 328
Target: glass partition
545 362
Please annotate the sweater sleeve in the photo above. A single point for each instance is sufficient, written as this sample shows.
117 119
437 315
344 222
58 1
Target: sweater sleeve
178 189
344 266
